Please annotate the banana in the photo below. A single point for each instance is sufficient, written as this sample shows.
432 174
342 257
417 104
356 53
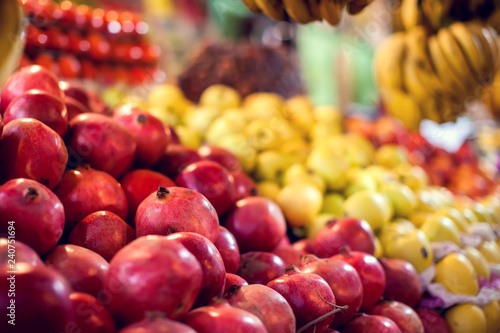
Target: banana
402 106
443 69
314 9
484 38
298 10
356 6
330 11
436 11
252 6
456 59
412 83
430 109
411 16
388 62
495 45
272 8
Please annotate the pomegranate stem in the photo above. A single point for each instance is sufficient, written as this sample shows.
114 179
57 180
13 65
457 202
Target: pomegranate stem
162 192
317 320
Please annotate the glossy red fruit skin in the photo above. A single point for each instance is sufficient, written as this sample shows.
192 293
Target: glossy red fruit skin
212 266
244 186
41 300
352 232
91 315
27 78
148 132
223 318
138 185
370 323
402 282
370 272
74 108
344 281
228 249
103 232
267 304
175 158
288 254
43 106
1 125
75 92
404 316
102 142
24 254
432 321
212 180
157 325
152 273
176 209
84 269
221 156
257 223
303 245
233 279
84 191
32 150
37 213
260 267
308 295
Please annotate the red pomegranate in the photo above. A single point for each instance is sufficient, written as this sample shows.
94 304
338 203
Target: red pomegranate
401 314
91 315
244 186
23 253
74 108
228 249
432 321
402 281
221 156
175 158
369 323
233 279
157 325
260 267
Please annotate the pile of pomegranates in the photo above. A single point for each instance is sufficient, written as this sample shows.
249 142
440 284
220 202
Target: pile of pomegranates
109 225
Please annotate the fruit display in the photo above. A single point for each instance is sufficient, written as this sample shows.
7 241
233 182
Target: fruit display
80 42
306 11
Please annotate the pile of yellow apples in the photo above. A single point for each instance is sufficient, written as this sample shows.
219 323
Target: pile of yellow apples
300 157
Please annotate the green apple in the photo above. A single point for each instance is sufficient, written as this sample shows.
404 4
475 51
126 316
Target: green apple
238 145
390 155
370 206
332 204
220 97
223 126
299 173
317 223
199 119
331 167
271 165
300 203
402 198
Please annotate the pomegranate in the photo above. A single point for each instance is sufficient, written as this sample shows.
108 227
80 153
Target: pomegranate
244 186
344 281
30 149
152 273
176 209
432 321
370 272
221 156
75 92
22 253
268 305
138 184
175 138
27 78
102 232
233 279
352 232
303 245
96 104
91 315
148 132
101 141
40 302
43 106
84 269
401 314
369 323
212 180
74 107
212 266
228 249
157 325
175 158
257 223
288 254
309 296
260 267
31 213
1 125
84 191
223 318
402 282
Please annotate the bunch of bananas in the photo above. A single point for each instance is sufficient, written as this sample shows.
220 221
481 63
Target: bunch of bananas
306 11
438 13
492 97
432 76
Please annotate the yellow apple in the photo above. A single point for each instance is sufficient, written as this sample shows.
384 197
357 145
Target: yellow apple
268 189
319 131
271 165
370 206
380 174
469 215
491 251
412 176
189 137
454 215
224 126
361 181
457 274
492 203
363 146
300 203
167 118
428 201
238 145
332 204
466 318
332 168
297 148
298 111
317 223
492 314
261 135
417 218
478 261
263 105
327 115
379 250
441 229
299 173
391 155
169 98
402 198
403 223
484 214
220 97
199 119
